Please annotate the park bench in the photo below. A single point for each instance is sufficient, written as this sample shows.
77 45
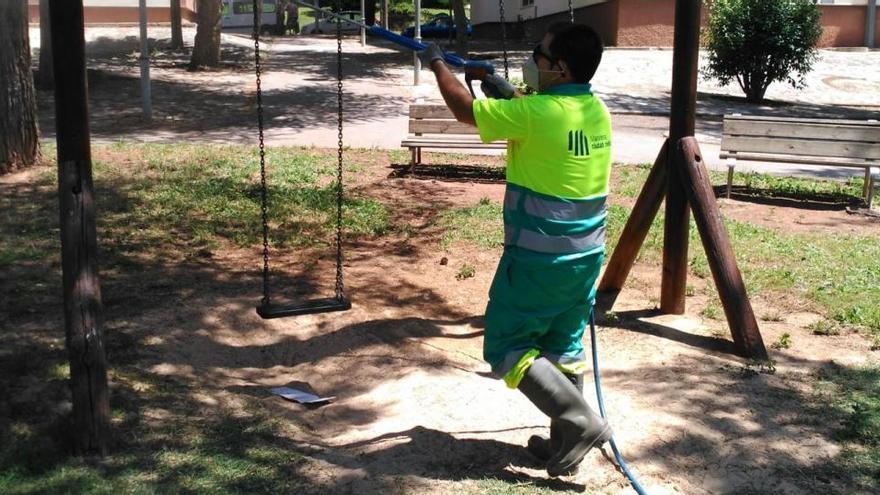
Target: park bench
434 126
828 142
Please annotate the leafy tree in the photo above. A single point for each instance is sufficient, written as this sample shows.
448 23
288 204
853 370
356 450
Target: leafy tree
758 42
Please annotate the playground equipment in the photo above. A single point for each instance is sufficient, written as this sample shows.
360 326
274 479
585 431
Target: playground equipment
680 176
338 302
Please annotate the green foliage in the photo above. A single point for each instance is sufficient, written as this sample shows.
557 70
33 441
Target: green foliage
521 85
712 311
758 42
783 342
466 271
825 327
480 224
851 399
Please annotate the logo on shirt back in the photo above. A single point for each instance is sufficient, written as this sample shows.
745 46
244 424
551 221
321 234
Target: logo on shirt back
578 143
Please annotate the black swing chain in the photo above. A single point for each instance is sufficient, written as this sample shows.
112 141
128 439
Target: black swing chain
264 200
571 11
503 37
340 293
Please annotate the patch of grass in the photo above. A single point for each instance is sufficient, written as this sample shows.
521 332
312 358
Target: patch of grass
480 224
783 342
773 315
850 398
204 193
187 451
628 180
755 367
712 311
825 327
770 185
494 486
466 271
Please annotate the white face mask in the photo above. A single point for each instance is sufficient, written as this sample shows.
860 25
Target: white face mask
532 74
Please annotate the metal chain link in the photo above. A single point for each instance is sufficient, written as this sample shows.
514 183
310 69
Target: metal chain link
264 200
340 289
571 11
503 37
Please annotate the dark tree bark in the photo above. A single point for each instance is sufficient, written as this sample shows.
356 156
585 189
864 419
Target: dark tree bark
83 313
176 26
45 76
370 12
206 49
19 144
461 40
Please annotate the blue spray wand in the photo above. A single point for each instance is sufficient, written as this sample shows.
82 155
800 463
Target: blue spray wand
474 69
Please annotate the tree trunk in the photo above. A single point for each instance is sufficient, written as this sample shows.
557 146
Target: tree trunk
461 41
280 18
83 313
176 26
206 49
370 13
45 77
19 144
756 87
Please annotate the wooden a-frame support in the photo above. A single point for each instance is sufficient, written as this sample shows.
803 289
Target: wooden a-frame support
679 175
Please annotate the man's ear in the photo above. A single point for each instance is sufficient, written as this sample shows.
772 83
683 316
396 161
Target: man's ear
563 66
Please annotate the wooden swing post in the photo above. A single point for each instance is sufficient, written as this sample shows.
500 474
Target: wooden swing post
79 245
680 175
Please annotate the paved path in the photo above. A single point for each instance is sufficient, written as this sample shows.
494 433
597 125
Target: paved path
300 98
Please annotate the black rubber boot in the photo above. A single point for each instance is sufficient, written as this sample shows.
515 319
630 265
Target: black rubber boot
579 428
542 446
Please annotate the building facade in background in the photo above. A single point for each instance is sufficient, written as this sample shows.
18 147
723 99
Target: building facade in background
643 22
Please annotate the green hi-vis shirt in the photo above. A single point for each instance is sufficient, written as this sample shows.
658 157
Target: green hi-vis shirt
558 164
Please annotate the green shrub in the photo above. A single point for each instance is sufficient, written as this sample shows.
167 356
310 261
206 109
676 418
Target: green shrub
758 42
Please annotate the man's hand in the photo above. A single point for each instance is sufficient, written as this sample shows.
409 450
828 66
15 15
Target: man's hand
430 54
495 86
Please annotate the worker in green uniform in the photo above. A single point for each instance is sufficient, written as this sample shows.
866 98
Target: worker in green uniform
558 163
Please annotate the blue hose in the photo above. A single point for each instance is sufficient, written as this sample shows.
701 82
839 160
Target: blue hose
620 462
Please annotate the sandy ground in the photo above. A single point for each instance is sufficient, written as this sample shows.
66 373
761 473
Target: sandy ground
416 411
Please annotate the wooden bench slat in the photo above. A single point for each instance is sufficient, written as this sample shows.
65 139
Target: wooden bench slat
453 144
761 118
430 112
436 126
805 147
819 131
805 160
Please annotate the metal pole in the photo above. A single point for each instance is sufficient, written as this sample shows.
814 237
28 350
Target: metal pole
145 63
417 64
364 19
871 24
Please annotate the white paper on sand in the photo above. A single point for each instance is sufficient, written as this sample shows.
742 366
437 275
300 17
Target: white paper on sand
300 396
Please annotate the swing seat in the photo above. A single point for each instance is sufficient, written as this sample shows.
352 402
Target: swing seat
309 307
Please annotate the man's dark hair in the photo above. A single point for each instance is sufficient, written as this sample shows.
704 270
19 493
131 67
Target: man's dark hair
580 46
